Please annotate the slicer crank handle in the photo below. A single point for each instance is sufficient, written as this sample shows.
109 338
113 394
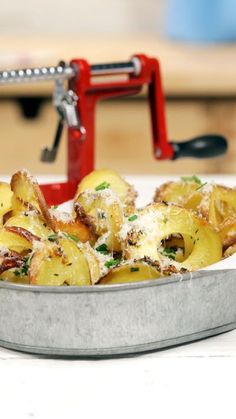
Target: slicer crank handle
206 146
48 155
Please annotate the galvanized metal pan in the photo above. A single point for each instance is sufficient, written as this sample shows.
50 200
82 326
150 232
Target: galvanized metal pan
117 319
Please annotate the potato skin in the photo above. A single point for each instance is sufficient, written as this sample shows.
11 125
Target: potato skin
10 260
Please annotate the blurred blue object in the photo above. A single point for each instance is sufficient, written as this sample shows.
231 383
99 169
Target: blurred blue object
201 20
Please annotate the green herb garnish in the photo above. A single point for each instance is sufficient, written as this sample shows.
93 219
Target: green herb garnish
170 252
52 237
133 217
112 262
72 237
193 178
102 186
54 207
23 270
201 186
102 249
16 272
134 269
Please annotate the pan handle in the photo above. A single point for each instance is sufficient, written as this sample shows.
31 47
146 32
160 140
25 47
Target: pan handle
206 146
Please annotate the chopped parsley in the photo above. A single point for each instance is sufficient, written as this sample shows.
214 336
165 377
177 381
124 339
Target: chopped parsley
72 237
133 217
193 178
201 186
112 262
54 207
52 237
169 252
133 269
102 249
24 269
16 272
102 186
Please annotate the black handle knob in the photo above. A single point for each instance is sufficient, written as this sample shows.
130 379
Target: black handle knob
201 147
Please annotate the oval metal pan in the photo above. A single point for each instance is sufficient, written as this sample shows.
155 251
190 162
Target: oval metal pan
117 319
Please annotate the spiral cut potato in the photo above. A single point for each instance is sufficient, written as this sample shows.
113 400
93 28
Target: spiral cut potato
187 194
201 244
216 203
107 240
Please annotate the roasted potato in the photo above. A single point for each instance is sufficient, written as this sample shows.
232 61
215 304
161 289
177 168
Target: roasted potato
5 199
17 239
31 222
103 210
230 250
131 272
94 262
227 231
102 178
76 227
10 259
106 240
59 264
218 205
13 275
27 196
156 222
185 194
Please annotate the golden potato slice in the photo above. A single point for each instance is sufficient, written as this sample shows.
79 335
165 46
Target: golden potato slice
219 205
10 276
132 272
104 211
102 178
227 231
58 265
230 250
76 228
157 221
5 199
32 222
185 194
17 239
93 262
27 196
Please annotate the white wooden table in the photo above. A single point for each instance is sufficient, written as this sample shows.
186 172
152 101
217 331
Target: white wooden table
196 380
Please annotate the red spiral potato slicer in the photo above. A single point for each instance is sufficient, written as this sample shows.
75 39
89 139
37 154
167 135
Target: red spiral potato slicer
76 106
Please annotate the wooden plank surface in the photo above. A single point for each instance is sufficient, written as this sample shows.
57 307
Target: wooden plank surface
123 137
